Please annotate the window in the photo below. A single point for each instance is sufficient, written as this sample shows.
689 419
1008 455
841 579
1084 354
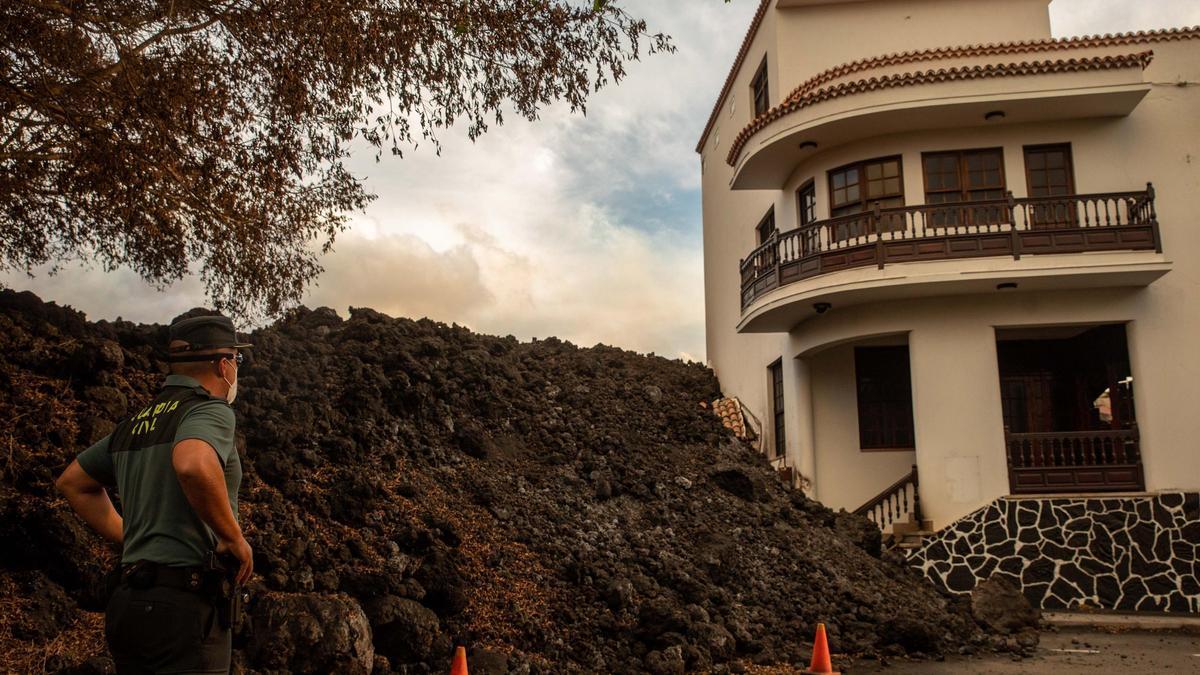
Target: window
965 176
806 203
766 227
885 417
1048 174
1048 170
858 187
760 91
765 258
806 207
776 371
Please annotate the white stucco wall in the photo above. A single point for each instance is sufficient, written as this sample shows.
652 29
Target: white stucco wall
742 364
846 476
814 37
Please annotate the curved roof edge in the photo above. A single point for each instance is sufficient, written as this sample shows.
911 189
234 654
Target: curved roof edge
1048 44
1140 59
916 56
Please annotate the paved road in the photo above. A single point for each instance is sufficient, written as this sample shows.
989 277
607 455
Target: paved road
1071 651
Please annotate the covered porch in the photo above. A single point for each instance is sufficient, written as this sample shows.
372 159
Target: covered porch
922 427
1069 419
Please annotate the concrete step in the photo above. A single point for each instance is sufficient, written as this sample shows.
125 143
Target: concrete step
907 540
911 526
913 534
908 534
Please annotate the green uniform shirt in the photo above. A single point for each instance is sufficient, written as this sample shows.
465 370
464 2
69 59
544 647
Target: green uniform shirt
159 523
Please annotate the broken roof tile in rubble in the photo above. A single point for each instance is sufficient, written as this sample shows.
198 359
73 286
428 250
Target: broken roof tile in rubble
730 412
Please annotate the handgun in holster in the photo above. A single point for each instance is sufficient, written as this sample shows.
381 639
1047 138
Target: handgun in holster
221 571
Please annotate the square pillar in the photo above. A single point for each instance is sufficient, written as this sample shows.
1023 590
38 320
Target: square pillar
957 418
797 391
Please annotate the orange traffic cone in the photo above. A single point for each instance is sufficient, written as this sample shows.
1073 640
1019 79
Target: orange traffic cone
821 664
459 666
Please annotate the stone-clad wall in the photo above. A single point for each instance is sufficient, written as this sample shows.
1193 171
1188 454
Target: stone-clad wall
1124 553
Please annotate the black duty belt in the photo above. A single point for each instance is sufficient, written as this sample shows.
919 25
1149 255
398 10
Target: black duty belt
210 581
145 573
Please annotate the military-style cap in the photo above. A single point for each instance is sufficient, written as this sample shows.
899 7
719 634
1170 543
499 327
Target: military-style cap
206 332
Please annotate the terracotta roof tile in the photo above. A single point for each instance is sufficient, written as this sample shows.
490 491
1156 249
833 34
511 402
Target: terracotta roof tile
797 102
916 56
1048 44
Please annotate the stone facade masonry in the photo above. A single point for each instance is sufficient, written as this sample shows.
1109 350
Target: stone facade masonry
1129 553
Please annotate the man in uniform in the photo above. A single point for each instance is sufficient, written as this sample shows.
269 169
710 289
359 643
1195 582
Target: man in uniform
177 472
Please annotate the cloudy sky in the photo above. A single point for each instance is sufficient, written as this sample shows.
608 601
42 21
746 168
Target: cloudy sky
587 228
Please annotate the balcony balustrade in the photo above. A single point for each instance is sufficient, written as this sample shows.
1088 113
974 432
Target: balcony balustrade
1074 461
1007 227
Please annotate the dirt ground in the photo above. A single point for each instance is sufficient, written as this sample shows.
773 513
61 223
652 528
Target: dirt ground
1073 650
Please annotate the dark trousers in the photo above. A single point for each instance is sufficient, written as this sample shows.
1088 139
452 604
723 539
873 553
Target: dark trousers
165 630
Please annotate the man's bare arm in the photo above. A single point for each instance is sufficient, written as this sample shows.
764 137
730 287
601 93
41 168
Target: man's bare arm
203 482
88 498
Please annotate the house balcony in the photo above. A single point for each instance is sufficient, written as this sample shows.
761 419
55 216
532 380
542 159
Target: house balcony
1045 243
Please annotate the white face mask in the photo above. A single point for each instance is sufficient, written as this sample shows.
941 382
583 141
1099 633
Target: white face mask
232 393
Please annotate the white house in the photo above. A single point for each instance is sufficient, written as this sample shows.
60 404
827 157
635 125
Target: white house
937 237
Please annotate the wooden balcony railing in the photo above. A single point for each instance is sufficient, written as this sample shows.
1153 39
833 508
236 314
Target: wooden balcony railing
897 500
1012 226
1074 461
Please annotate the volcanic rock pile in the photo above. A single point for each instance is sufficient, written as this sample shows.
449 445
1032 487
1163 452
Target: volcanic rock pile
411 486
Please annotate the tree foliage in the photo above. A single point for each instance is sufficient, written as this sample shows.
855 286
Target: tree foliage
163 134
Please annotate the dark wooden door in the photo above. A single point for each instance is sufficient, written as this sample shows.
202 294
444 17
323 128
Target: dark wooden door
1026 402
1049 173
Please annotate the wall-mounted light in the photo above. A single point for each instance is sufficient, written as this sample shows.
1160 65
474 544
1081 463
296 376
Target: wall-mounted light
994 115
808 145
822 307
1006 286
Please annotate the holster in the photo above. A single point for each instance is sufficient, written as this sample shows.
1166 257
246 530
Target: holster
226 596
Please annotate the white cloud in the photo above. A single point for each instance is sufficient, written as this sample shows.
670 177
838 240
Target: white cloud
580 276
1092 17
402 275
109 295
